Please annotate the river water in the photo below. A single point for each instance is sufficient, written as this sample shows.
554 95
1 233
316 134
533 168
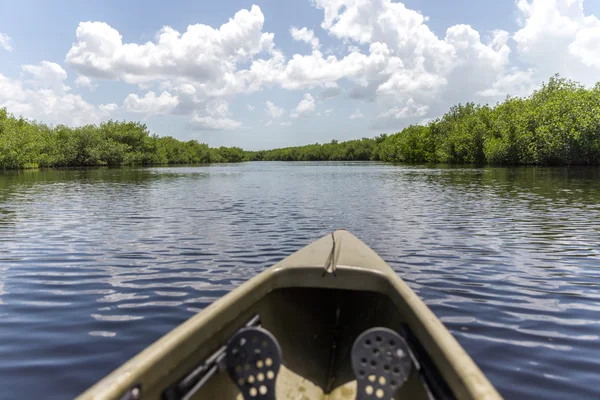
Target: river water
97 264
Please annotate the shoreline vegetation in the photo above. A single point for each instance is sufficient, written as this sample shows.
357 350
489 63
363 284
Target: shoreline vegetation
558 124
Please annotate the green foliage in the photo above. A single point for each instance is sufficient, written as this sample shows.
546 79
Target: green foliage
360 149
413 145
557 124
27 144
229 154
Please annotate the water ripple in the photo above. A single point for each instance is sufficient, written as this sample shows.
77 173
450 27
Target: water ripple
97 264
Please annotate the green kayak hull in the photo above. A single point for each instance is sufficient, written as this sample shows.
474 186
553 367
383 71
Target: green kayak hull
315 315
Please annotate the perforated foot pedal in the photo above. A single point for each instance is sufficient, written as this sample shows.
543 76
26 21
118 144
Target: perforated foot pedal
381 362
253 361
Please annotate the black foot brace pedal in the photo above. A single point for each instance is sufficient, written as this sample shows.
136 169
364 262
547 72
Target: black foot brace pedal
381 362
253 361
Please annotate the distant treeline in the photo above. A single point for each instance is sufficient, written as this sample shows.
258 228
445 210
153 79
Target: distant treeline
27 144
557 124
361 150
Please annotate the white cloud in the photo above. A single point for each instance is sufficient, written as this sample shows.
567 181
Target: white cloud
356 114
218 108
187 99
203 114
330 89
5 42
215 116
410 109
586 46
108 108
311 70
557 36
202 54
214 124
513 83
286 123
272 111
405 59
47 75
401 29
43 96
385 53
305 35
305 107
46 71
151 103
192 67
328 112
84 81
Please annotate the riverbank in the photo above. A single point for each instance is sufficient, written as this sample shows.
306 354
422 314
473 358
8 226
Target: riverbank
558 124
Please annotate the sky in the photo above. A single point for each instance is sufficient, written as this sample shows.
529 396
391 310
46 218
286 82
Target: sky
271 73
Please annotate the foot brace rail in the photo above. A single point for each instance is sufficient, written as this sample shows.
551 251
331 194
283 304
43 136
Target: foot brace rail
252 357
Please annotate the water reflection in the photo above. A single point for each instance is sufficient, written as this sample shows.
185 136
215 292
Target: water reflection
96 264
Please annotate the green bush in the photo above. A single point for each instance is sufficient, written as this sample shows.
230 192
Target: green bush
557 124
27 144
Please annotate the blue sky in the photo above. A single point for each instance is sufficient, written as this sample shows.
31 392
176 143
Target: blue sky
283 73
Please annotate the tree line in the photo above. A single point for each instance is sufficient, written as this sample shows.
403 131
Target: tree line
28 144
557 124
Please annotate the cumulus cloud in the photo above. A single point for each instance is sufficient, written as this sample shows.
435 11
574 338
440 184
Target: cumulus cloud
328 112
108 108
410 109
514 83
311 70
5 42
201 54
214 117
557 36
586 46
305 35
42 95
330 89
151 103
272 111
211 123
403 59
46 71
356 114
385 54
305 107
183 100
194 66
46 75
187 99
84 81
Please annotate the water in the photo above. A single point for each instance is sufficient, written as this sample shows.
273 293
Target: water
97 264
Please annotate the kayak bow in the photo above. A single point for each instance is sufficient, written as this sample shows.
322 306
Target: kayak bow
319 310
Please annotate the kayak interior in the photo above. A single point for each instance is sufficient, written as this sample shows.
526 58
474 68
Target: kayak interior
315 304
316 329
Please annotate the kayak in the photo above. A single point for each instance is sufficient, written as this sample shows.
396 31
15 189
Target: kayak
331 321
